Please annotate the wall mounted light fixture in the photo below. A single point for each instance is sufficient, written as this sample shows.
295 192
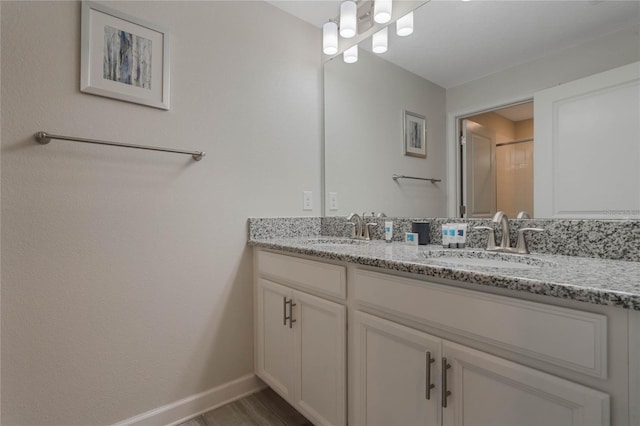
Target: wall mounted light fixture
350 55
382 11
404 25
380 41
348 19
358 16
330 38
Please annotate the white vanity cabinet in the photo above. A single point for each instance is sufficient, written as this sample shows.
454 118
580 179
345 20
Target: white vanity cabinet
431 353
487 390
301 338
402 375
395 374
406 377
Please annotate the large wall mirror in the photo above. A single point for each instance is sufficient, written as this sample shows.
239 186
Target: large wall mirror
482 66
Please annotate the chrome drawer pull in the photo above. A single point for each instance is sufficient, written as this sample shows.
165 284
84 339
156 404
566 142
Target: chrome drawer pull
284 310
445 392
429 385
290 316
291 320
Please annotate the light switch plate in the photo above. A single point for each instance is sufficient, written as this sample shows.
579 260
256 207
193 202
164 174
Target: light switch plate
307 200
333 201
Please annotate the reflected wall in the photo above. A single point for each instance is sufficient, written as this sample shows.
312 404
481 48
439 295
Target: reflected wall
364 105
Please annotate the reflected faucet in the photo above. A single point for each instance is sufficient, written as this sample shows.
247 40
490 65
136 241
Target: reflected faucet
360 229
356 232
501 218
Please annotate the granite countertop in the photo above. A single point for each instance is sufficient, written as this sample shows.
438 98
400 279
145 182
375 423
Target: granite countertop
598 281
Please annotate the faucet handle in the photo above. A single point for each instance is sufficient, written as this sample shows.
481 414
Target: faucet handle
521 247
491 242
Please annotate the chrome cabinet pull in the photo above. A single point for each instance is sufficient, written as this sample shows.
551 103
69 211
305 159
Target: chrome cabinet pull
284 310
290 316
445 392
429 385
291 320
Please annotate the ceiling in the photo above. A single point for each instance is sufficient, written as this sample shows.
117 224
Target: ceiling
456 41
517 112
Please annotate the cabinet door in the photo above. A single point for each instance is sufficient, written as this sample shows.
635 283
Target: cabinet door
320 359
274 351
391 374
487 390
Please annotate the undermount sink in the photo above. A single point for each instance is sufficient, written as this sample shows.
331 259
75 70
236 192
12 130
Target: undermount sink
326 241
484 259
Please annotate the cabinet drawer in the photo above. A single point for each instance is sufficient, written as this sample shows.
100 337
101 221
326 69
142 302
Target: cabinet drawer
322 278
569 338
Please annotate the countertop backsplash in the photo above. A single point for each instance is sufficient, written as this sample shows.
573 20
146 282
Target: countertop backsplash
604 239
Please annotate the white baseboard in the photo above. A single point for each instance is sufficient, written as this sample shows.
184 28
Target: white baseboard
191 406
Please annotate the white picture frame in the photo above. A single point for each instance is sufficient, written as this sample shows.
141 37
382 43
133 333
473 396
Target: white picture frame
123 57
414 134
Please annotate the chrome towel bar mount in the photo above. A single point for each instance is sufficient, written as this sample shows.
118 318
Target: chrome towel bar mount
432 180
44 138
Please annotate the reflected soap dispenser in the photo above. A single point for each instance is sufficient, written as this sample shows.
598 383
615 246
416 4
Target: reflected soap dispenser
388 230
445 236
451 230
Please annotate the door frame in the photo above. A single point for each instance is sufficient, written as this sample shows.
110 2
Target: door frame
454 155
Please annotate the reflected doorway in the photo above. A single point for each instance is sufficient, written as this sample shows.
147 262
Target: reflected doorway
497 161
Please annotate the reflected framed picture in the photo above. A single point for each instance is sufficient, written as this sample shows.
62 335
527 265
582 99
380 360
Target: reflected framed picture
414 134
123 57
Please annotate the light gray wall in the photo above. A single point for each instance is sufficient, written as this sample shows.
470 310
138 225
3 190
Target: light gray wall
126 281
364 135
522 81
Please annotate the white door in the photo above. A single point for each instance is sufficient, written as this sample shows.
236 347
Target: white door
487 390
478 156
274 352
587 156
320 354
392 374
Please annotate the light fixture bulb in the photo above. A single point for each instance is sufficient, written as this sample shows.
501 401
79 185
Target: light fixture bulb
380 41
382 11
404 25
330 38
348 19
351 55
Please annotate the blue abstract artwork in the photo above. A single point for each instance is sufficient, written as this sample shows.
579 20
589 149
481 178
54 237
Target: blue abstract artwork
127 58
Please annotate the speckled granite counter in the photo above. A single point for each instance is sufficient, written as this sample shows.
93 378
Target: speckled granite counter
599 281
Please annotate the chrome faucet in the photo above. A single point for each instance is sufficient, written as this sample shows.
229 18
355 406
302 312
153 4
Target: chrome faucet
360 229
501 218
356 231
505 244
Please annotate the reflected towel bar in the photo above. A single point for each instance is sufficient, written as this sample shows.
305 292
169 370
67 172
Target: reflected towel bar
432 180
44 138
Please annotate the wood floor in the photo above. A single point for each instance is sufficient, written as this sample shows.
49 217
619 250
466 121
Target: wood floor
264 408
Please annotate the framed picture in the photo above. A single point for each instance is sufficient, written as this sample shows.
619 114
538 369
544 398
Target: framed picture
123 57
415 135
